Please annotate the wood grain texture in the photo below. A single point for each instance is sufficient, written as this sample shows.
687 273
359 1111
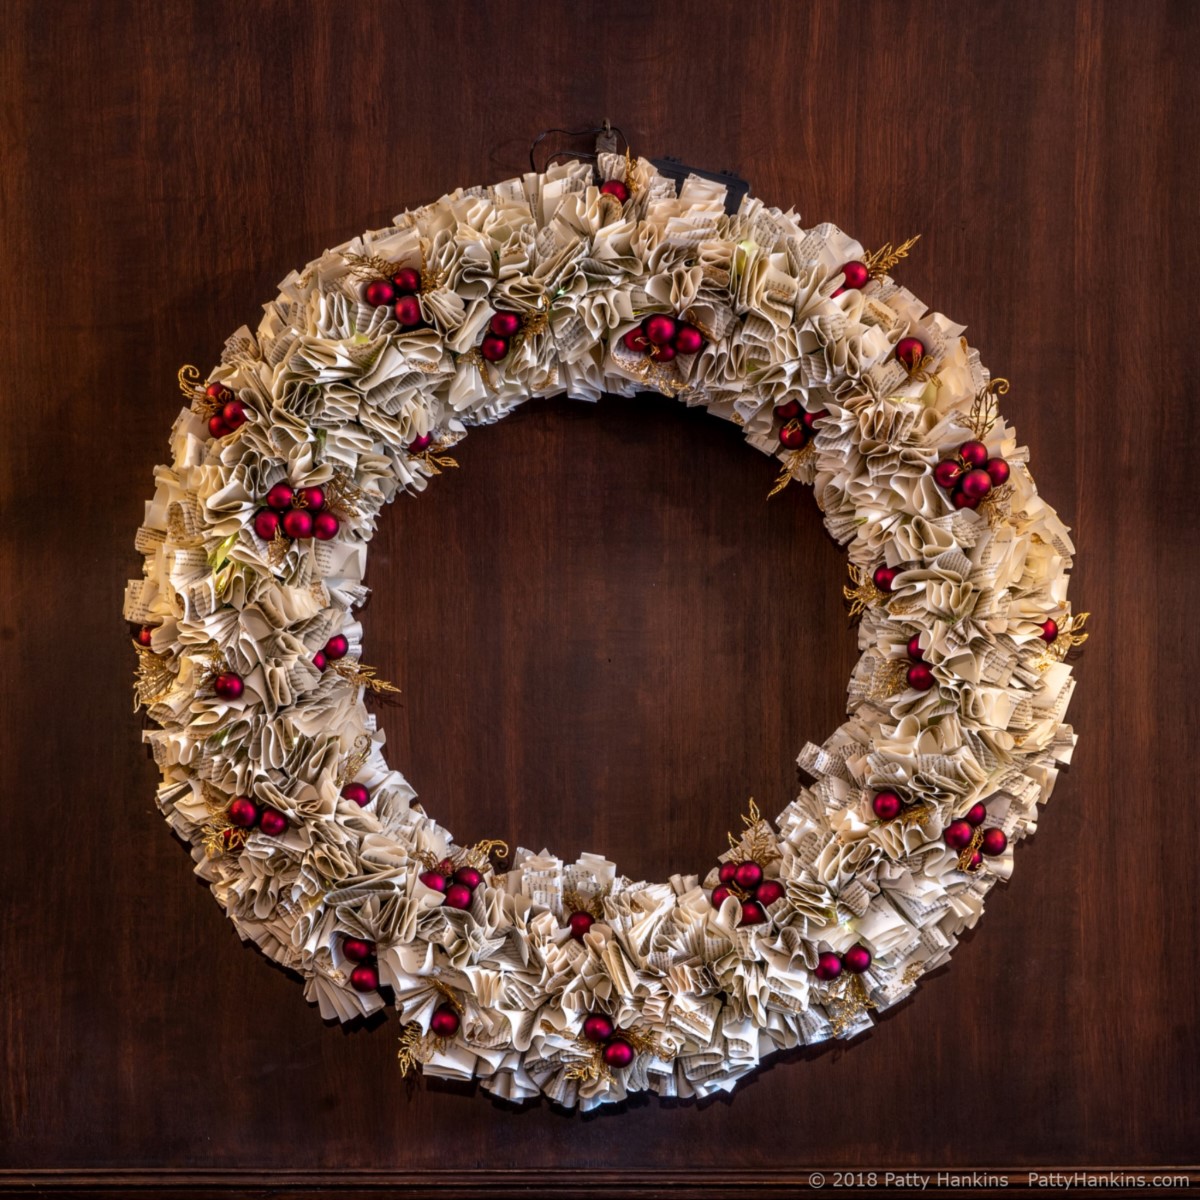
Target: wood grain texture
598 621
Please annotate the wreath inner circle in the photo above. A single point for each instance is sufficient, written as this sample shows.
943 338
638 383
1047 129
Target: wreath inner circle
530 973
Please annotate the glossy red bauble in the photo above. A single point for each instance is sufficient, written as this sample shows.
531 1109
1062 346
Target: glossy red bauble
975 862
444 1022
1049 629
597 1027
720 894
217 426
884 577
493 348
635 340
752 913
829 966
312 498
688 339
749 875
997 470
458 895
336 647
420 444
616 189
788 411
364 978
958 834
325 526
580 923
504 324
298 523
357 950
228 685
793 435
266 523
976 814
976 484
974 454
962 500
810 419
914 648
320 661
217 391
407 311
910 351
857 958
768 892
272 822
433 879
920 677
379 292
407 280
857 274
947 473
618 1053
994 842
886 805
234 414
242 812
660 329
145 636
470 876
357 794
727 872
280 497
662 353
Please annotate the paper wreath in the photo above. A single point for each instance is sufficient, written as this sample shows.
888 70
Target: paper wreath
560 978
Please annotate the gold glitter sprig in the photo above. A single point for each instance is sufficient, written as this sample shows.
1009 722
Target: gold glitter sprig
968 851
417 1047
574 901
762 847
594 1067
1070 634
790 464
358 755
342 495
985 408
363 676
861 592
846 1001
880 262
154 679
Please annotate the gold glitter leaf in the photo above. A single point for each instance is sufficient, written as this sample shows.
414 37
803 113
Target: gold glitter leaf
880 262
863 593
367 677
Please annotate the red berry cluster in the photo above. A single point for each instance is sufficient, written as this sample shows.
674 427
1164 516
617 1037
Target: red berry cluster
830 965
857 276
970 474
399 294
661 337
615 188
458 884
617 1051
337 647
959 834
496 342
230 414
797 425
245 814
919 676
365 976
744 880
300 513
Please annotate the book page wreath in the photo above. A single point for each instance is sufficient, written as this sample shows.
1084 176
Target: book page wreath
566 978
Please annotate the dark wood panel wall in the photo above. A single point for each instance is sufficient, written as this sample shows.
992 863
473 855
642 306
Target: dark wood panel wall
605 636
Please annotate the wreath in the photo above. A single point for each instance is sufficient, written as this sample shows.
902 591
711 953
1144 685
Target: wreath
534 974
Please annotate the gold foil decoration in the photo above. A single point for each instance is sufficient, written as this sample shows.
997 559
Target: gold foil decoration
968 851
593 1065
1070 634
881 262
477 855
890 679
915 814
762 846
985 408
358 755
849 1000
221 837
363 676
790 463
574 902
863 594
342 495
154 679
996 506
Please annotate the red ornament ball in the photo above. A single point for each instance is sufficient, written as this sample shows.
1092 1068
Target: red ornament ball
973 454
720 894
433 879
298 523
1049 629
616 189
958 834
857 274
997 470
688 339
469 876
947 473
749 875
242 812
234 414
829 966
217 426
920 677
994 842
635 341
407 280
662 353
597 1027
962 500
857 958
280 497
580 923
810 419
788 411
752 913
886 805
914 648
975 861
444 1022
336 647
976 484
145 636
325 526
408 311
217 391
319 660
976 814
312 498
266 524
504 324
228 685
458 895
356 793
357 950
660 329
793 436
364 978
884 577
618 1053
727 872
272 822
910 351
768 892
420 444
379 292
493 348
